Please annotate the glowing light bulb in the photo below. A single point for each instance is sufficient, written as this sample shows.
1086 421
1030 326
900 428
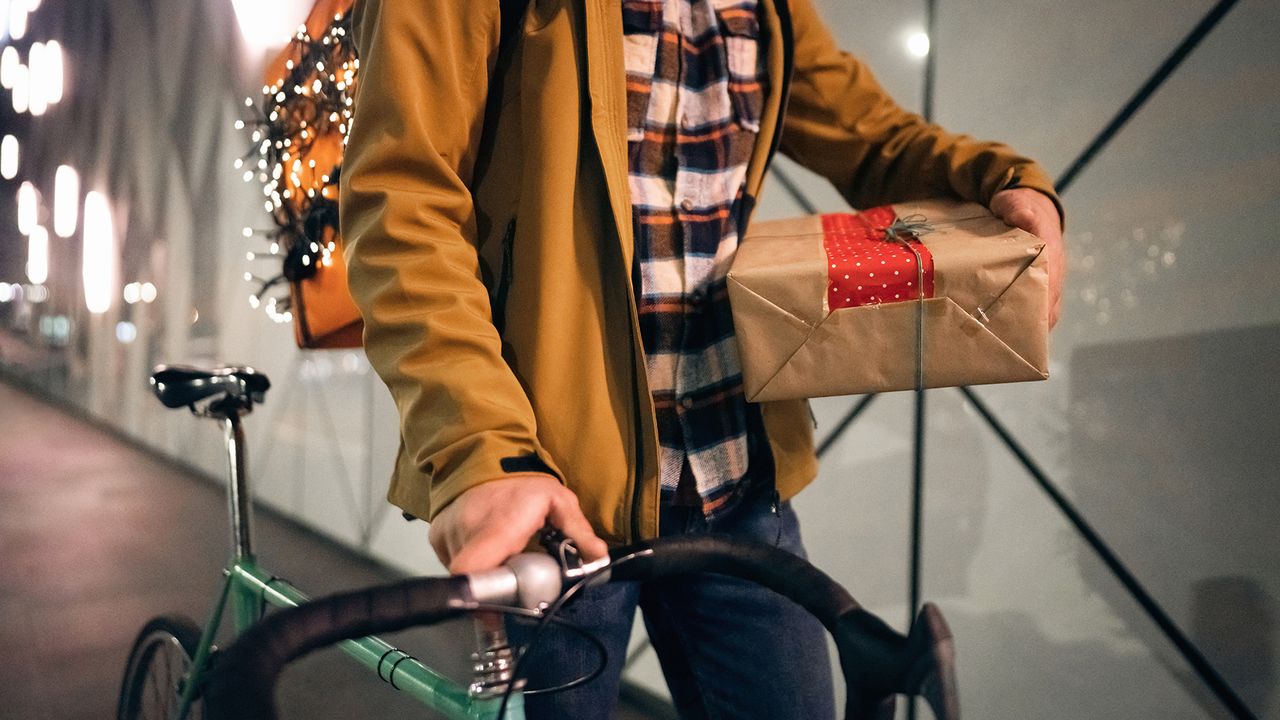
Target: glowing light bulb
38 256
918 44
28 207
18 19
66 200
54 79
37 101
21 89
99 253
9 62
9 157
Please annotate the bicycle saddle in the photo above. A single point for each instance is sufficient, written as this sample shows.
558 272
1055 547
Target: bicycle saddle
182 385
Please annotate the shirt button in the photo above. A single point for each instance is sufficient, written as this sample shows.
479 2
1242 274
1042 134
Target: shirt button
697 297
686 403
686 205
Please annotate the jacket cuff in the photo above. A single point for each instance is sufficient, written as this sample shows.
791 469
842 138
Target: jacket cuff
423 494
1034 177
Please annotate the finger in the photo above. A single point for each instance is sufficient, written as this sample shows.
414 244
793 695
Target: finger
1023 218
567 516
486 552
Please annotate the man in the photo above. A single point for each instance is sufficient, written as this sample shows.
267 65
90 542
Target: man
537 233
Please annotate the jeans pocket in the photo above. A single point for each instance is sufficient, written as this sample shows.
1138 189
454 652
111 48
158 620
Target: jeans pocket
789 531
776 508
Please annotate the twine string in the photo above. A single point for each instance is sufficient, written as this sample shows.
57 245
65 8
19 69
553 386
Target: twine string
903 231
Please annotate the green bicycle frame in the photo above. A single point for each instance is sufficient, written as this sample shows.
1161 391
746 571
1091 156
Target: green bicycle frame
251 589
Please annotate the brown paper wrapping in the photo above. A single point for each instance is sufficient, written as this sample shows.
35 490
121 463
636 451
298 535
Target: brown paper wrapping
791 348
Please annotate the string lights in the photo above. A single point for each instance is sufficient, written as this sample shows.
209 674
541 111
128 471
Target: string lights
298 134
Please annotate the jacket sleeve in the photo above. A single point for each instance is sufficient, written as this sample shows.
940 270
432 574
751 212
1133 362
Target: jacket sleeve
842 125
409 229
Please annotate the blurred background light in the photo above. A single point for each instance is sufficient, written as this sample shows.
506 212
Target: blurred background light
9 157
126 332
99 253
54 71
28 207
918 44
66 200
21 88
267 25
57 328
132 292
148 292
61 329
17 18
7 292
37 99
38 256
36 294
9 62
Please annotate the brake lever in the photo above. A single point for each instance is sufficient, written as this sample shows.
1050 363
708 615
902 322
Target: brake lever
566 553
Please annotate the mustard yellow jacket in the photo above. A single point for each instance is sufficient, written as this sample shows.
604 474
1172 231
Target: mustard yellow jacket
487 224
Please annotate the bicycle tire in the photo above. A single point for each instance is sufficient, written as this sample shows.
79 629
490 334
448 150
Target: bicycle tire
158 663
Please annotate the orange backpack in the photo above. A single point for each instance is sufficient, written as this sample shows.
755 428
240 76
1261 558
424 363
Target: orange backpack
299 137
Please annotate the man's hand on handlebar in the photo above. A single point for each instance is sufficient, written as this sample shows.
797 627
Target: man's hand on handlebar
493 521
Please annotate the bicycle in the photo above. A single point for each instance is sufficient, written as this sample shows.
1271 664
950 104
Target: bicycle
171 669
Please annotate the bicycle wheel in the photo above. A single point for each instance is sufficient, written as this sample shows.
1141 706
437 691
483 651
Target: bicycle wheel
159 664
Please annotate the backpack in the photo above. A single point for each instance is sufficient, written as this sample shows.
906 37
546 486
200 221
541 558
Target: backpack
298 135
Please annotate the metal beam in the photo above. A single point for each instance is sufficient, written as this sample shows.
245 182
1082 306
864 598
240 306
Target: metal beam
1189 651
1144 93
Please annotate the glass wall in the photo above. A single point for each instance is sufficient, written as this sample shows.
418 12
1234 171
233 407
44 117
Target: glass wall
1159 420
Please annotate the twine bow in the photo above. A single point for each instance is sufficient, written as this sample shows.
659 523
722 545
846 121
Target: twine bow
903 229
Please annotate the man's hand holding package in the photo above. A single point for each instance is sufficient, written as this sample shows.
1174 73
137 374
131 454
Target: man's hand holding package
1034 212
493 521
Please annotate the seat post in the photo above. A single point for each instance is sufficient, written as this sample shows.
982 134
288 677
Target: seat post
238 500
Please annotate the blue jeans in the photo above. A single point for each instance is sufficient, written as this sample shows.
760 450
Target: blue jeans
729 649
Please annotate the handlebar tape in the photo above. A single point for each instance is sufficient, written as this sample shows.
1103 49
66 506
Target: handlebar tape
778 570
877 662
241 685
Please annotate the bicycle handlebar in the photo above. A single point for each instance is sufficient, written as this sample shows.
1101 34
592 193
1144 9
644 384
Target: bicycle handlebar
877 662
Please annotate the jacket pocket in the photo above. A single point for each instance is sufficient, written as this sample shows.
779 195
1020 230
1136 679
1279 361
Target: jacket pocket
642 31
740 30
503 287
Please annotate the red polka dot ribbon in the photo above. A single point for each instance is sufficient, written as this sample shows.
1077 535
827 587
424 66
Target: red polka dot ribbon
866 265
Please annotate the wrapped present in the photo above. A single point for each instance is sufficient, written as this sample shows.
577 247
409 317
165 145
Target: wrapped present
922 294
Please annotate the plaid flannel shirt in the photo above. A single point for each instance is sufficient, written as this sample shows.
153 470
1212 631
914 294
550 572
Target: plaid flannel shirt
695 89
